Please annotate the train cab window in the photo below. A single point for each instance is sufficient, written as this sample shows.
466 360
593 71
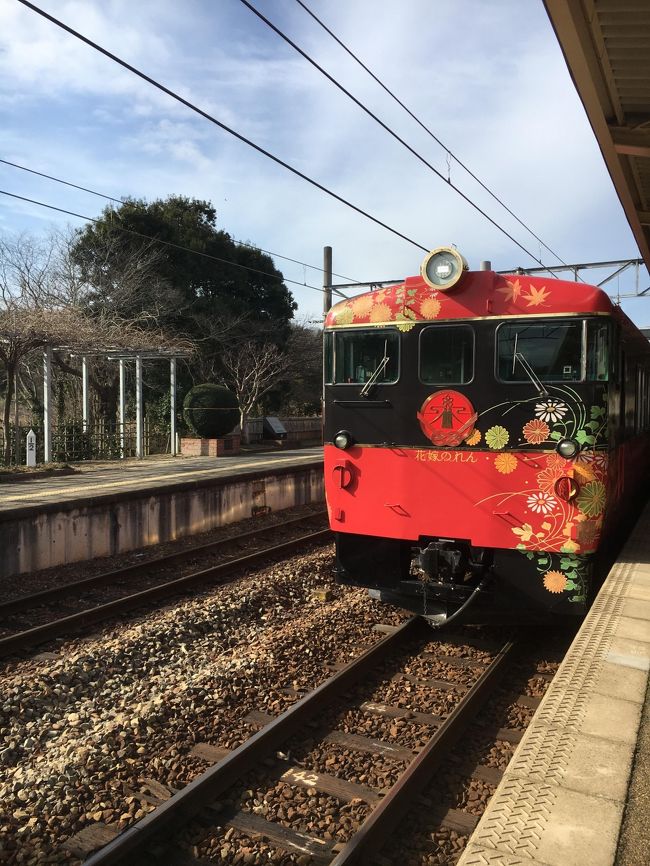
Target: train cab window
447 355
362 355
597 350
549 351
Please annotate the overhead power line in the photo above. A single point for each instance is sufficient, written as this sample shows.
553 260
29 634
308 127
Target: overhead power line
121 201
426 129
167 243
219 123
388 129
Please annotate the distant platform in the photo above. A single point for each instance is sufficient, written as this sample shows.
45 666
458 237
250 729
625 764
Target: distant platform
130 476
115 508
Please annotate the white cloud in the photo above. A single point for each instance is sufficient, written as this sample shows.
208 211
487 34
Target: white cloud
488 78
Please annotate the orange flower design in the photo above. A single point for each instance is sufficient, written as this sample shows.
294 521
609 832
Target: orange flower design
554 461
363 305
344 316
380 313
474 437
505 463
547 478
536 431
555 581
430 308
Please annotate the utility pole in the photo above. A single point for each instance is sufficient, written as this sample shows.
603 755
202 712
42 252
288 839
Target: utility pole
327 279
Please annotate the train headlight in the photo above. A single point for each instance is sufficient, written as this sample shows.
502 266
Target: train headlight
343 440
442 268
567 448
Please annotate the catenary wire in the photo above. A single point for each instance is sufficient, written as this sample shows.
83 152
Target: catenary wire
121 201
388 130
169 243
426 129
218 123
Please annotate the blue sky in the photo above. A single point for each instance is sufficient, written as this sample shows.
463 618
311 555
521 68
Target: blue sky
488 78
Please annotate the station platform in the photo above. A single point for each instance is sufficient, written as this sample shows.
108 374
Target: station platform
116 507
577 789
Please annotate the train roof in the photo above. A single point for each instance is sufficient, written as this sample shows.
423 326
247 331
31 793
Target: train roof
478 295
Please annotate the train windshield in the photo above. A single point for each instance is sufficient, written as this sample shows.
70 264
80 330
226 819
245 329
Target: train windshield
447 355
358 357
550 351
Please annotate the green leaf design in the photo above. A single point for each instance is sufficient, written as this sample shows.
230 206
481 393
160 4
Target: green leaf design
555 435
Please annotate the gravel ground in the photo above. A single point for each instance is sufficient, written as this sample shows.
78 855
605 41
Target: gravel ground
84 729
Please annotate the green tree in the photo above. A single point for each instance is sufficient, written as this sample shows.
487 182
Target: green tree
206 286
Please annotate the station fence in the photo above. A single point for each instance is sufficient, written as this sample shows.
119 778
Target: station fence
101 441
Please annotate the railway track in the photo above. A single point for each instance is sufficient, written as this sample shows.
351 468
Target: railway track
147 575
203 799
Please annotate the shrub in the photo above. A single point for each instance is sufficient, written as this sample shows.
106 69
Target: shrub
211 410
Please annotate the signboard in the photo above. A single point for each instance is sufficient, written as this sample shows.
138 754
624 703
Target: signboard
31 448
273 428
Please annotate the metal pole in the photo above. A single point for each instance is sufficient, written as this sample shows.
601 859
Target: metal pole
84 393
47 405
172 406
138 407
16 430
327 279
122 410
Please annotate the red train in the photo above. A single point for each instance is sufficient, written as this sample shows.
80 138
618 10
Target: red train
483 435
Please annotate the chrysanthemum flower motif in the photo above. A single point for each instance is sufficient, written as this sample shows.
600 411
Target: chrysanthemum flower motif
551 410
536 431
430 308
363 305
587 532
497 437
380 313
344 316
554 461
505 463
591 500
596 459
546 479
474 437
542 503
555 581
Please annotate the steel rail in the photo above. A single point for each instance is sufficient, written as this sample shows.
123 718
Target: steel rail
67 624
199 794
381 822
25 602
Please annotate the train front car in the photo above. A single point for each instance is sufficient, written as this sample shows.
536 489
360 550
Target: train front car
466 441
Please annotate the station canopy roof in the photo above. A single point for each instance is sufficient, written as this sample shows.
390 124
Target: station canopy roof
606 44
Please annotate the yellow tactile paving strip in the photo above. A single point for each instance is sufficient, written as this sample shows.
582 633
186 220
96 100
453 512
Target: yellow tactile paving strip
561 800
142 476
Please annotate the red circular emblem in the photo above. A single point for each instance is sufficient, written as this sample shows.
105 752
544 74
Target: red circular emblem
447 418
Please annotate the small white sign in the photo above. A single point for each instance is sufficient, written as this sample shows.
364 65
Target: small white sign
31 448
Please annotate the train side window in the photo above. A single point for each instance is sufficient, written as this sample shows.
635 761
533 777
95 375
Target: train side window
551 351
447 355
360 355
597 350
328 357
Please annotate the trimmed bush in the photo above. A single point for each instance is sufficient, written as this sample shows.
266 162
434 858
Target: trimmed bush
211 410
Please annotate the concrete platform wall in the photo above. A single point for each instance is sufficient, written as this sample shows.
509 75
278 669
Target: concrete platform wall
32 539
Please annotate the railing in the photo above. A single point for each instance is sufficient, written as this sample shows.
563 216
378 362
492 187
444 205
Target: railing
71 444
101 441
